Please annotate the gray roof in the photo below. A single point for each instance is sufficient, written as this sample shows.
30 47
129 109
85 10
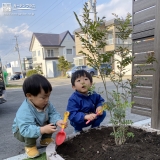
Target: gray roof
113 21
49 39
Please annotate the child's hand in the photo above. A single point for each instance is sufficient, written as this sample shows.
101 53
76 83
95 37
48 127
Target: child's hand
90 117
48 129
60 123
99 109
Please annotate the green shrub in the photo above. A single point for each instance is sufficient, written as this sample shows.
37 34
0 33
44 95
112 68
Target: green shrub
63 65
31 72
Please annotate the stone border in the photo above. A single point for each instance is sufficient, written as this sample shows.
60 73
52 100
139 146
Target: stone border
51 153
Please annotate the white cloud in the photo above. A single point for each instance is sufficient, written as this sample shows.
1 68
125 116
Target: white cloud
7 42
119 7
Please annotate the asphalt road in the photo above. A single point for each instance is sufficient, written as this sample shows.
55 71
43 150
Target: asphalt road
9 146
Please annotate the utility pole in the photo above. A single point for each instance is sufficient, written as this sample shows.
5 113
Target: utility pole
17 49
92 8
94 11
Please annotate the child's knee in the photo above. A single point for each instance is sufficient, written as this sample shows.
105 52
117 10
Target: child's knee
19 136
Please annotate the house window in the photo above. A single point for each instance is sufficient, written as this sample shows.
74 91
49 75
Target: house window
76 62
83 36
109 38
79 62
39 53
50 53
119 41
69 51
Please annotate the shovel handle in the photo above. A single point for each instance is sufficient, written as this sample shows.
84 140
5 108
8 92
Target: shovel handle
66 114
96 115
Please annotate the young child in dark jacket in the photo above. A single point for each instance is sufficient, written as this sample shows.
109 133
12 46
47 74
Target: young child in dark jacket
82 105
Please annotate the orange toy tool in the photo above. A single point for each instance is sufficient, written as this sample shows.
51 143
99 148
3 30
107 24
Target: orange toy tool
96 114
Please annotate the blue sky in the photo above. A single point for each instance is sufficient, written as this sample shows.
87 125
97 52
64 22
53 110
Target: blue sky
49 16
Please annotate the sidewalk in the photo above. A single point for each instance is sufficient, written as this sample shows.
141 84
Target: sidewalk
23 156
143 123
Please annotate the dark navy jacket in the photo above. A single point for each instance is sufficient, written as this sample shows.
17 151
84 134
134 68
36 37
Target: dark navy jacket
79 105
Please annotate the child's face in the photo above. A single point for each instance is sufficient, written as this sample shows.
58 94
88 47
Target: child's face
41 100
82 84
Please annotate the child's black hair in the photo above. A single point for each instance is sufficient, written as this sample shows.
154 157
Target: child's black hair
80 73
34 83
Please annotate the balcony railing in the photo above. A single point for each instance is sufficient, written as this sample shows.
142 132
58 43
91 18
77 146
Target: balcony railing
51 57
120 41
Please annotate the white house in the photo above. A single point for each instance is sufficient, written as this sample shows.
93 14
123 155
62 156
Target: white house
28 63
46 49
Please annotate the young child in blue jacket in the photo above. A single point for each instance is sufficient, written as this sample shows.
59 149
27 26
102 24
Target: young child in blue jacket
82 105
36 116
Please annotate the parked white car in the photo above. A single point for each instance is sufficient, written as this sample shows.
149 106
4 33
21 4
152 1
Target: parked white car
90 70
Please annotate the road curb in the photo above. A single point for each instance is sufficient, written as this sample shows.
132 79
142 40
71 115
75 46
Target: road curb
23 156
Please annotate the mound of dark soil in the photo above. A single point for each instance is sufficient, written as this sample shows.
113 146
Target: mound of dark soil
98 144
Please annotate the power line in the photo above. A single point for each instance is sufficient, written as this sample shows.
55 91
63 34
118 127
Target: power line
7 53
5 44
61 16
42 16
63 21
